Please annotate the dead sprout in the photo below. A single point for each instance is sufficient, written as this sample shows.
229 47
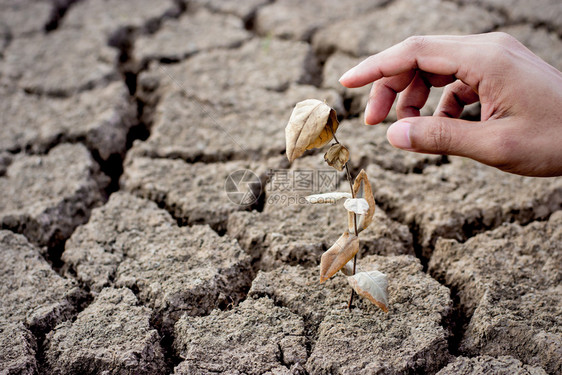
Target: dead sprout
313 124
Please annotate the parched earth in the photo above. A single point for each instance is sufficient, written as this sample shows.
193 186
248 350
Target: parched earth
122 253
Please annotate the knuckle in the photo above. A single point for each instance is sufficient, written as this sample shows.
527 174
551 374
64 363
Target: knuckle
439 136
415 42
450 93
503 39
503 49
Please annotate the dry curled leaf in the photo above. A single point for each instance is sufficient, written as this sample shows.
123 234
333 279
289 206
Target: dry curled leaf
362 189
312 124
360 206
372 285
330 198
347 270
337 156
336 257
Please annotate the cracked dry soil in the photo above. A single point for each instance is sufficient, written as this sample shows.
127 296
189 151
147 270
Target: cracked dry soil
121 253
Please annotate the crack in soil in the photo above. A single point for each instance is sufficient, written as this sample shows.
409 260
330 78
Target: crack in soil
166 341
113 168
63 93
60 7
454 323
507 20
457 322
472 226
80 304
310 327
250 19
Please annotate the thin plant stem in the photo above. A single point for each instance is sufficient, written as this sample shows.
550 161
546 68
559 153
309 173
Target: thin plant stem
349 304
348 176
356 234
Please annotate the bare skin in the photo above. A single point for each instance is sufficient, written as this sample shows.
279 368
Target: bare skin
521 99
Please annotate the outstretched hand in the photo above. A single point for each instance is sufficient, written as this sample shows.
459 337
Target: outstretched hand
521 100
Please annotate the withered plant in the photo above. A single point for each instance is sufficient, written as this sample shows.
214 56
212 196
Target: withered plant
313 124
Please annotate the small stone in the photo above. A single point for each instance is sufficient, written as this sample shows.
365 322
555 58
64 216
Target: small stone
46 197
255 337
112 335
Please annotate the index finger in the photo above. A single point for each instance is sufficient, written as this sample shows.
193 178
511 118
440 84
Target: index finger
442 55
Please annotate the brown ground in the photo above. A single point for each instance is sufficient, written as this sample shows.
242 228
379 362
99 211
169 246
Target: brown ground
121 252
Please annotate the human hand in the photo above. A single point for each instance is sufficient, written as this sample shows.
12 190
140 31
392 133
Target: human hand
521 100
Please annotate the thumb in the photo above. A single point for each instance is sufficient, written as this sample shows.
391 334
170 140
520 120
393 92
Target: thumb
444 135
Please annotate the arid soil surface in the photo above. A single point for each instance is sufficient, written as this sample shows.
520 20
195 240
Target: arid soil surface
122 253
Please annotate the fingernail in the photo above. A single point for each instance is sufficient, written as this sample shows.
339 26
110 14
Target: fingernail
346 75
398 134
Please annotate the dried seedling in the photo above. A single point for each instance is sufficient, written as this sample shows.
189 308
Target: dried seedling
313 124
